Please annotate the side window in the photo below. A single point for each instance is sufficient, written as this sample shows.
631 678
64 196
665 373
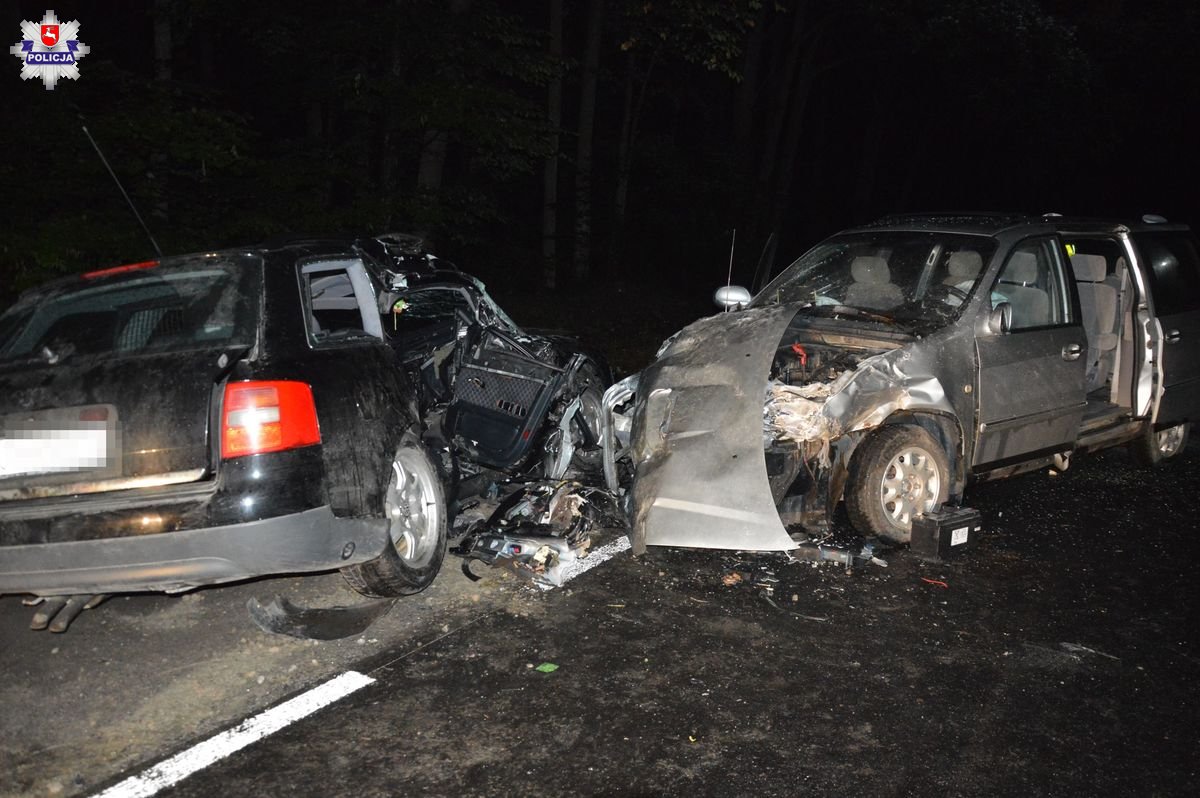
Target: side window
1034 283
339 301
1173 268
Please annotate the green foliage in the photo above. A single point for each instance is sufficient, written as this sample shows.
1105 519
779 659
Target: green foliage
709 33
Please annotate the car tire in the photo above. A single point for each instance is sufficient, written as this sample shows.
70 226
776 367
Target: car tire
1157 446
898 472
414 505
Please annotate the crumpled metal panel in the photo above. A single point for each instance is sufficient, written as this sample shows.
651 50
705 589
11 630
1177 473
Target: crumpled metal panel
701 477
700 473
883 385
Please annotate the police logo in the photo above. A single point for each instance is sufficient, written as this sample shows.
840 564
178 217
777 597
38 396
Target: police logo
50 50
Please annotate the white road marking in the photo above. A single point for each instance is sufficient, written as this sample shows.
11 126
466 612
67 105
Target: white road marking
219 746
185 763
595 557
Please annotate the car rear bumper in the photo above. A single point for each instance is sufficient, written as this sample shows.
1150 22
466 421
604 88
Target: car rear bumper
311 540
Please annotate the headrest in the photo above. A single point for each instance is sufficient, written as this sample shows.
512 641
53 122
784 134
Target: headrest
870 269
1022 268
965 265
1089 268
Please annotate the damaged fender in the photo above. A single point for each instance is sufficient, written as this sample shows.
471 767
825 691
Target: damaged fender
698 429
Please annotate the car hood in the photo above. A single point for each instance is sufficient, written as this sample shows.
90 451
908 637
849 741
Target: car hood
698 424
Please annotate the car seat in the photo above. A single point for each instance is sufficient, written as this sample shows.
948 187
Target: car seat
872 287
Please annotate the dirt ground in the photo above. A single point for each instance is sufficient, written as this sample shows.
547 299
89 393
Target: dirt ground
1058 657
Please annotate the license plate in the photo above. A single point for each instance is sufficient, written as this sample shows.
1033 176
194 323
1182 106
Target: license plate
48 451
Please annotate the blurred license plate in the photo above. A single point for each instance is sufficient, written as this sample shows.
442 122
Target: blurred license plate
49 451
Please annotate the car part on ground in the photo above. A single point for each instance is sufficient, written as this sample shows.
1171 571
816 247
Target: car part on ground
893 364
538 529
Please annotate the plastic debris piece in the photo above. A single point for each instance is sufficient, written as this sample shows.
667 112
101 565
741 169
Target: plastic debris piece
546 667
936 582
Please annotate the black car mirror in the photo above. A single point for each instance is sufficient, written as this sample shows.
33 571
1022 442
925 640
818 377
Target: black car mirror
1000 319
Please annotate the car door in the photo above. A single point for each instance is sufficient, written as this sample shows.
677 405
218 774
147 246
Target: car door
1171 264
364 401
1032 388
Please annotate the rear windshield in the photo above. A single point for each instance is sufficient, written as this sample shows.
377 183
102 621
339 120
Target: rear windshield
195 305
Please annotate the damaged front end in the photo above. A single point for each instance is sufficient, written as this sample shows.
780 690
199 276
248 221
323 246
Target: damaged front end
742 431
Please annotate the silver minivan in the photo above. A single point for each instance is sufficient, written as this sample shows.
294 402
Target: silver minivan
892 365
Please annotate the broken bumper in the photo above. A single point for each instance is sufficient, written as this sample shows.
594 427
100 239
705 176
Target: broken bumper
312 540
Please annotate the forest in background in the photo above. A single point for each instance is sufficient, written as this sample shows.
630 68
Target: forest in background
561 142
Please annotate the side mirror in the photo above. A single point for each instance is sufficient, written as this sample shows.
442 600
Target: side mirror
732 297
1000 319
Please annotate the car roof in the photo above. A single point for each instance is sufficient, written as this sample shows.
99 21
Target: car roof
993 223
974 223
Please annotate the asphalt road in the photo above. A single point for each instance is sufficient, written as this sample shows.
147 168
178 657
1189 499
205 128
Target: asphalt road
1059 657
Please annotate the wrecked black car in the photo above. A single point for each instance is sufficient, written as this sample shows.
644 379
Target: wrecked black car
891 365
289 408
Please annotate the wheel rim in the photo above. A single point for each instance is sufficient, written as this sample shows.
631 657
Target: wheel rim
911 486
1170 440
413 513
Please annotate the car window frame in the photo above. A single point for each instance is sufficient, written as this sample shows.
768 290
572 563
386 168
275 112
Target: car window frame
365 294
1069 299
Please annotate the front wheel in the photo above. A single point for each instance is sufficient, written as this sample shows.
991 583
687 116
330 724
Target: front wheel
1155 446
415 508
898 473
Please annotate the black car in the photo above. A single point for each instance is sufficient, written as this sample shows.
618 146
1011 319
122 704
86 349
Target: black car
283 409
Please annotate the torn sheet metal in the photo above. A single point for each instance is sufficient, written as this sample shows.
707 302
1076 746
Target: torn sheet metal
702 422
538 531
701 477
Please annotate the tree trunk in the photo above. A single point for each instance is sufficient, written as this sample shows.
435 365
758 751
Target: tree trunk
162 40
434 142
162 73
747 90
635 97
777 116
583 144
792 140
550 168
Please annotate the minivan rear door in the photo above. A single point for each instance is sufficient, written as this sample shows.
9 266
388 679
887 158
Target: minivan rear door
1171 263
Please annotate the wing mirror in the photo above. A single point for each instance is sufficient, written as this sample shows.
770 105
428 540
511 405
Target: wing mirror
1000 319
732 297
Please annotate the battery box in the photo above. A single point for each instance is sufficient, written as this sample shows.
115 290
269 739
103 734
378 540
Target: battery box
945 533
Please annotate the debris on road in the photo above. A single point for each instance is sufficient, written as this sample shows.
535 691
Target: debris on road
57 612
546 667
538 529
282 617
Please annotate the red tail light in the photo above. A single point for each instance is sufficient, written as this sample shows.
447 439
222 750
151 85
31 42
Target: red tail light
260 417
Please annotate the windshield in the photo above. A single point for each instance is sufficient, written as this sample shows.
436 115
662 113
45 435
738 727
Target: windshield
158 310
916 279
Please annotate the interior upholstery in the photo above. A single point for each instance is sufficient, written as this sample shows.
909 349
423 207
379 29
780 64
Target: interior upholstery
1098 301
872 287
964 266
1030 304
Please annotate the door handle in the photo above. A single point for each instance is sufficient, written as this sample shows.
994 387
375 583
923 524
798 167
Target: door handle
1072 352
1172 336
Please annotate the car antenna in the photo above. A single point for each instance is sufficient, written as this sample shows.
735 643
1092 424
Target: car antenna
132 207
729 275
